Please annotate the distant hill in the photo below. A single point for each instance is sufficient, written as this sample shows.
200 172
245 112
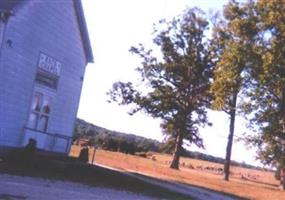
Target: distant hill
104 138
130 143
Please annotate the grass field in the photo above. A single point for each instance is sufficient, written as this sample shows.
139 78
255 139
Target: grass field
247 183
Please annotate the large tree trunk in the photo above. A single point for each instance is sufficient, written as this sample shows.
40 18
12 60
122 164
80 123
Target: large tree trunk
282 162
282 177
230 137
177 152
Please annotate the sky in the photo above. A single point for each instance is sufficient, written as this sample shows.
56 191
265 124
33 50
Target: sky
115 26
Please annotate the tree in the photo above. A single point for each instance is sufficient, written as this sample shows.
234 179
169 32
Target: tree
268 98
234 36
110 144
178 83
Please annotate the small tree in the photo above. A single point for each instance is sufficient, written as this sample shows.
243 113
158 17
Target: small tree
178 84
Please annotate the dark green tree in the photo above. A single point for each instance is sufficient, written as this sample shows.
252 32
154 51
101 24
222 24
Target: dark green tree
268 98
178 80
234 37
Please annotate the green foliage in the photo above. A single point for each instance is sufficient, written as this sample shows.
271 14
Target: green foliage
178 83
234 35
110 144
113 140
267 106
233 42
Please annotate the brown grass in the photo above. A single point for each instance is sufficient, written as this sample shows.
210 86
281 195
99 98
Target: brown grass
255 184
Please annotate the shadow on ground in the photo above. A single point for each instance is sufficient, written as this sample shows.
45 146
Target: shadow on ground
59 167
65 168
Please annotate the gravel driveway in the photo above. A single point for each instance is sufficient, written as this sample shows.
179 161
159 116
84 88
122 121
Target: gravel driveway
27 188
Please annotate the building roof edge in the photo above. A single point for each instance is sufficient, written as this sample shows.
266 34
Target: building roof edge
83 30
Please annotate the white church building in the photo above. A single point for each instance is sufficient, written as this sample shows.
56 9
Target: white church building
44 49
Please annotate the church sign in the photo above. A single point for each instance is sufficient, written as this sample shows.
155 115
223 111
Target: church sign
49 64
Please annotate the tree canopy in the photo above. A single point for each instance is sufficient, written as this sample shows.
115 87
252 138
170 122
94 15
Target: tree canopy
178 83
267 106
233 37
240 69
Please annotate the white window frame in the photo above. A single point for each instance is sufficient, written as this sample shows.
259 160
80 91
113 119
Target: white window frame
40 112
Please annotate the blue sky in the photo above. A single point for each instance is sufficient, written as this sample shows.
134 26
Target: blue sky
115 26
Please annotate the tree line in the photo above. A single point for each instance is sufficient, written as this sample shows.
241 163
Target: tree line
106 139
239 69
113 140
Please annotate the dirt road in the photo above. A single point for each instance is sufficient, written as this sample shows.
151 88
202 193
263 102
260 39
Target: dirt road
27 188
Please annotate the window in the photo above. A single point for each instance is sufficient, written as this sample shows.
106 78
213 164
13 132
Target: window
40 112
46 79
